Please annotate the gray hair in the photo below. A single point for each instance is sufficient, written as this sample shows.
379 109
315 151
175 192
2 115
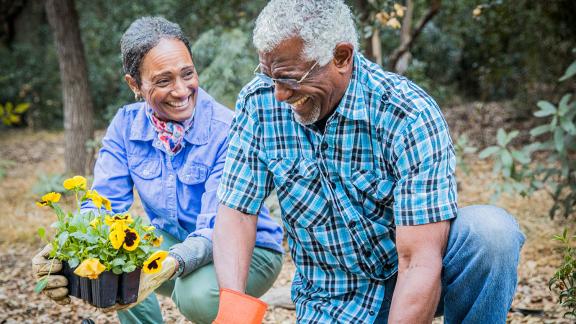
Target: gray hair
321 24
142 35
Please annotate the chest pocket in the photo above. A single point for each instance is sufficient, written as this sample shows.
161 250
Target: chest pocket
193 173
145 168
298 181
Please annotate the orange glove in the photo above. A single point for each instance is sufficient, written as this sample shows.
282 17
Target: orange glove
239 308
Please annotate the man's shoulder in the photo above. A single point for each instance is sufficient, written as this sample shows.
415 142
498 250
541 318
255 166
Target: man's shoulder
395 99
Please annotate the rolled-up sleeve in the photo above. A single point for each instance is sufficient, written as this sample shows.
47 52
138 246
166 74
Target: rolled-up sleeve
425 163
245 183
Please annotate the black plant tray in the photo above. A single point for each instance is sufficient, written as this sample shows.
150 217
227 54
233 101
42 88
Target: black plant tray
105 291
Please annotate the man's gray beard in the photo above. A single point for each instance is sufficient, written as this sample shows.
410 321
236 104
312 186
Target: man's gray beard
310 119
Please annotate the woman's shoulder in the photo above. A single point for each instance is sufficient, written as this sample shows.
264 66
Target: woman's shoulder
221 115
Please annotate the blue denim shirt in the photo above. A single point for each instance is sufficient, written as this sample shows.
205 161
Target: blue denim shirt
178 193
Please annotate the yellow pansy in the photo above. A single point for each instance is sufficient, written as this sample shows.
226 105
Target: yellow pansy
75 183
95 197
148 228
95 222
477 11
399 9
49 199
157 241
154 262
90 268
117 238
107 203
131 239
119 218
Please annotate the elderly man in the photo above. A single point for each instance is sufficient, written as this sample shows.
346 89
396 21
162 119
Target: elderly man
363 165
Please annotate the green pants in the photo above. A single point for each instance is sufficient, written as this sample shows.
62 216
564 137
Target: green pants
196 295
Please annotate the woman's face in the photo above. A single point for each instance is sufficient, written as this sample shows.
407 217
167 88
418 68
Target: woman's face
169 80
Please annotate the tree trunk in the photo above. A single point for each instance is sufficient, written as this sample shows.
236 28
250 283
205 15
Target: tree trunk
78 111
405 47
405 32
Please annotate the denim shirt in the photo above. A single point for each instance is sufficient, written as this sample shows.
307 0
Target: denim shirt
178 193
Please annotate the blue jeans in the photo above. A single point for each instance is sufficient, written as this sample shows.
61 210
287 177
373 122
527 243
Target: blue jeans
479 269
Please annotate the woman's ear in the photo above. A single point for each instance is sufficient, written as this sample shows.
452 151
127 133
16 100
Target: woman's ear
132 84
343 56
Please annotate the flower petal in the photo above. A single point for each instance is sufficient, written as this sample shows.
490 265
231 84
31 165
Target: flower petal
90 268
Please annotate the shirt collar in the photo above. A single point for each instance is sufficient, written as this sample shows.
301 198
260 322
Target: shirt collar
353 104
142 129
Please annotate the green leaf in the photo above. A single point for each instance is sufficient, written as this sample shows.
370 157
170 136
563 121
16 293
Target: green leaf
568 126
547 107
129 268
501 137
73 262
21 108
542 129
42 233
506 159
488 151
559 139
570 71
8 106
520 157
40 285
563 106
1 110
511 136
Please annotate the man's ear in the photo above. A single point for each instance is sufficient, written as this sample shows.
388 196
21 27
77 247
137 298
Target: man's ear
132 84
343 56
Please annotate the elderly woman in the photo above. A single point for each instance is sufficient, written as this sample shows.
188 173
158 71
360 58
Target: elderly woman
171 147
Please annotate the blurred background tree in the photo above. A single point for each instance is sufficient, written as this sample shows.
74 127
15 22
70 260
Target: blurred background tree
468 50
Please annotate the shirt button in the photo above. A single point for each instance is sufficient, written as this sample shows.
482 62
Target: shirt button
324 146
352 224
371 313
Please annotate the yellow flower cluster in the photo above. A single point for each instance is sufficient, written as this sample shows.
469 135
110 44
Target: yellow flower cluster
49 199
121 235
98 200
75 183
391 19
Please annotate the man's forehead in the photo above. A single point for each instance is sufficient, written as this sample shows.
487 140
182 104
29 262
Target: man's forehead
289 50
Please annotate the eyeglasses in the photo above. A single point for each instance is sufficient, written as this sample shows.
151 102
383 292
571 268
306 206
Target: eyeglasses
292 84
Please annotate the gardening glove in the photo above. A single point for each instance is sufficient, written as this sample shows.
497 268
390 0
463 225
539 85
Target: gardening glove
56 286
236 307
149 282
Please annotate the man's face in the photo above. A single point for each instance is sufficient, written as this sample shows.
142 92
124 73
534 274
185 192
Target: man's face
320 91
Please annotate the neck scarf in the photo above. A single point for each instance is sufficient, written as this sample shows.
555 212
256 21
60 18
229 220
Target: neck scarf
170 133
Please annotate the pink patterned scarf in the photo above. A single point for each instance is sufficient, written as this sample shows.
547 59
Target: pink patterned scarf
170 133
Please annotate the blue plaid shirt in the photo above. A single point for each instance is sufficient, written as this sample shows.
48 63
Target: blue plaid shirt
385 159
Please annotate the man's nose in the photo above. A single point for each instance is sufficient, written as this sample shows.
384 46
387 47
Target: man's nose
281 92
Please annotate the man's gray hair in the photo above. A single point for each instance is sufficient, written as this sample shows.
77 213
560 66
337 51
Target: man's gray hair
321 24
142 35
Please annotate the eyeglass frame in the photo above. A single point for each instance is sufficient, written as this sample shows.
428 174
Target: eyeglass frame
292 84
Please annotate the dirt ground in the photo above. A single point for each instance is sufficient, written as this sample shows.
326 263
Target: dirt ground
40 153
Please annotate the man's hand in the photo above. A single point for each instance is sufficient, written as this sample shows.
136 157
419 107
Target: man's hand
420 252
149 282
56 287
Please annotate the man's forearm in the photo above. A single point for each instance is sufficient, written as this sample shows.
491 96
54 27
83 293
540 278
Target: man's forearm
417 293
234 238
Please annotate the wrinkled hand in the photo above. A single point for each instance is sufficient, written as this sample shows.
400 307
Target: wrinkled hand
149 282
56 287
